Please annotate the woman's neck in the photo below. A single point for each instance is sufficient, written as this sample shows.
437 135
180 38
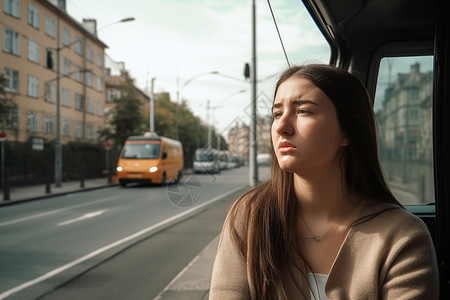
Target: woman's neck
325 195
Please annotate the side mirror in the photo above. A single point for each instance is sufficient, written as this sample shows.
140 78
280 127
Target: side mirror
164 156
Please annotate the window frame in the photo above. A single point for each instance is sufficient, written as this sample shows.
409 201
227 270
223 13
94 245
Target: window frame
33 15
11 41
33 86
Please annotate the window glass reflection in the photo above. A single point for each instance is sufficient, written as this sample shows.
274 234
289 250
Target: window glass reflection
403 108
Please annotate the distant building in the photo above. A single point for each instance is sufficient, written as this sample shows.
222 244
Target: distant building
405 119
116 86
32 33
238 137
405 133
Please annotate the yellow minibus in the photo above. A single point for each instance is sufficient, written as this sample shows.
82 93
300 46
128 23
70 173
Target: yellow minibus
150 158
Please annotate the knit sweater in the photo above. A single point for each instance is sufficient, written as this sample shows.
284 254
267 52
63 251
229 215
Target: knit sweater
387 254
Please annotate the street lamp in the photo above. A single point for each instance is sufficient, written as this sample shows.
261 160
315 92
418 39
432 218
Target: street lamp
120 21
58 147
178 97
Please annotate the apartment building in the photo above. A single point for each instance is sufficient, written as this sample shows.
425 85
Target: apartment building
238 137
39 41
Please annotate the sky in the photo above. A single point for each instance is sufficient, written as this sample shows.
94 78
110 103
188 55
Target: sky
181 43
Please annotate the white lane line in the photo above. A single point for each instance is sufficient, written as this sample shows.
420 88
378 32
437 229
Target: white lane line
83 217
110 246
52 212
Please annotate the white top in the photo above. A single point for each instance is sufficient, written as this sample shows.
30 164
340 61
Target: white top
317 283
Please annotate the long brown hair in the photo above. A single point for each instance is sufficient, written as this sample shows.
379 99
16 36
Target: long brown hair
269 210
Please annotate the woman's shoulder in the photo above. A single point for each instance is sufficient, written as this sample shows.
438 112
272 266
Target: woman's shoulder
390 217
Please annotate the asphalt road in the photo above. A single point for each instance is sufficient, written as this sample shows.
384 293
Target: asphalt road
46 243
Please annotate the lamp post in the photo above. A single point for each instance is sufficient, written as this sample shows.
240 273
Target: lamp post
152 106
58 147
253 168
178 97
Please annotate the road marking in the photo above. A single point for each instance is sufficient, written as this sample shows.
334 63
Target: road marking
52 212
83 217
110 246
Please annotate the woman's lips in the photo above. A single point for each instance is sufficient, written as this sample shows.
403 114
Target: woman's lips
285 147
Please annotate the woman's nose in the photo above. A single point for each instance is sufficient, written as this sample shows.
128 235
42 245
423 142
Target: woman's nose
284 125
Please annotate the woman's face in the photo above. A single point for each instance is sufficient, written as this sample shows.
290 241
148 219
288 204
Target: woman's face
306 134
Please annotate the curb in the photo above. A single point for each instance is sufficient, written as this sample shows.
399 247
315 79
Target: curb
20 201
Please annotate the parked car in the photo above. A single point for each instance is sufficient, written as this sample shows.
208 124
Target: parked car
206 160
263 159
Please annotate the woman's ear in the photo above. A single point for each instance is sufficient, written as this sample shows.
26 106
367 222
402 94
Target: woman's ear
344 141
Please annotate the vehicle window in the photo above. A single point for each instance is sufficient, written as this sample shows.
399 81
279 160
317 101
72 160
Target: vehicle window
204 156
141 151
403 109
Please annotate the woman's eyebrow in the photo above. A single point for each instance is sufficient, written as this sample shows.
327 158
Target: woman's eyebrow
296 103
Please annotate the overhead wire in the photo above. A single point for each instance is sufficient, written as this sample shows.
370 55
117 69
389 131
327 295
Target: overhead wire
278 31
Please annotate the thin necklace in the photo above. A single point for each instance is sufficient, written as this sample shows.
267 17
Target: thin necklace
316 237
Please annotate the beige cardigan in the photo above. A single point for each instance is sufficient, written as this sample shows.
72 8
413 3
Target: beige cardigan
387 256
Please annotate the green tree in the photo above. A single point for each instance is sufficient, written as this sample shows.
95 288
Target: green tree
126 117
192 131
6 103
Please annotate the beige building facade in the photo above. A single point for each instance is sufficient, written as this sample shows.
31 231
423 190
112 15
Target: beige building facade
33 34
238 138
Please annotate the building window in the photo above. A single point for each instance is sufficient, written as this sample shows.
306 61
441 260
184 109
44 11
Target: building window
66 127
49 124
12 80
90 53
90 132
79 45
12 7
90 105
33 15
12 118
100 84
99 108
99 60
89 79
33 121
33 86
78 101
79 74
66 67
50 26
50 92
33 51
66 36
11 41
79 130
66 97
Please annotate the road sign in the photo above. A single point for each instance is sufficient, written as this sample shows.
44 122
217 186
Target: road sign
2 136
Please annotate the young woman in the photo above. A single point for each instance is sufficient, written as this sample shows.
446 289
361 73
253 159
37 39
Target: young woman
325 225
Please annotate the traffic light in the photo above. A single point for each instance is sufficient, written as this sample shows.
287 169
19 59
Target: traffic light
247 71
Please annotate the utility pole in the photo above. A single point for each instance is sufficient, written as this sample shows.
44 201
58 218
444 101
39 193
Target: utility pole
208 113
253 167
152 106
58 148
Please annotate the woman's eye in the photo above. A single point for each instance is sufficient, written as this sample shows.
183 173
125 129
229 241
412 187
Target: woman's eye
277 114
302 111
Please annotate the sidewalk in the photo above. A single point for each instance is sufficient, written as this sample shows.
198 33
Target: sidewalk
192 283
19 194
